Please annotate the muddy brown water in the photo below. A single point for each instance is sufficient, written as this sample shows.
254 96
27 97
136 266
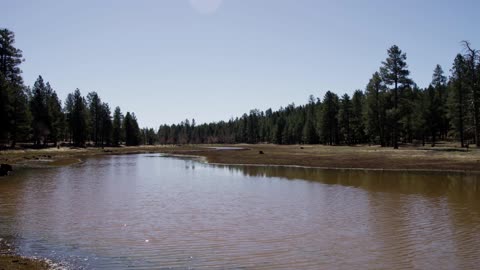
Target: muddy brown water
153 212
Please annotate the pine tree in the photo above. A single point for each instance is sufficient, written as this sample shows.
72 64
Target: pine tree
132 131
95 111
394 72
106 125
149 136
252 126
420 127
473 84
10 58
117 126
345 117
278 130
56 118
309 132
67 110
20 116
375 111
439 82
433 116
10 82
357 124
458 96
77 118
329 119
39 109
5 108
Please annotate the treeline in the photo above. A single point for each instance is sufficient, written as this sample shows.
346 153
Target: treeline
35 114
391 110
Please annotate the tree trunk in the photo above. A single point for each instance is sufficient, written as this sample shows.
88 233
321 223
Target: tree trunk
475 91
433 138
460 108
395 124
476 116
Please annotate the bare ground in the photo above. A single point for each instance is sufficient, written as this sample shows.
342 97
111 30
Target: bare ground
13 262
445 158
10 261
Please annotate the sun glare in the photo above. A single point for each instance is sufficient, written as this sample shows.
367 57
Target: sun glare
206 6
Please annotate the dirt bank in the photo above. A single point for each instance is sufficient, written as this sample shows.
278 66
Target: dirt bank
344 157
10 261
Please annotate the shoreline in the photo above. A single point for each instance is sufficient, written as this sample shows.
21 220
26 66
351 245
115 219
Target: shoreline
366 158
17 262
203 159
353 169
13 261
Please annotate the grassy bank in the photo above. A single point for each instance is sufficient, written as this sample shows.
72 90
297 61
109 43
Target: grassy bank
348 157
444 158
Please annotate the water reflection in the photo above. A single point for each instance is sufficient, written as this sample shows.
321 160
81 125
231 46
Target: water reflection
98 215
425 183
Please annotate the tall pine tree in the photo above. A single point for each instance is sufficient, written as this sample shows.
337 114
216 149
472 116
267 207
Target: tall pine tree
395 73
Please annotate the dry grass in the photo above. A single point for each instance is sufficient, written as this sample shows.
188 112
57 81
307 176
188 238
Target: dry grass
67 156
359 157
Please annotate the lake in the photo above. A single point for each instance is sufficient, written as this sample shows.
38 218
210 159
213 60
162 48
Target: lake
151 211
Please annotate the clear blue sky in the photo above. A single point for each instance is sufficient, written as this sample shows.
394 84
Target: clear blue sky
213 59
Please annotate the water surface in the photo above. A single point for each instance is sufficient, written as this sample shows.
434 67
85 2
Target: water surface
148 211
